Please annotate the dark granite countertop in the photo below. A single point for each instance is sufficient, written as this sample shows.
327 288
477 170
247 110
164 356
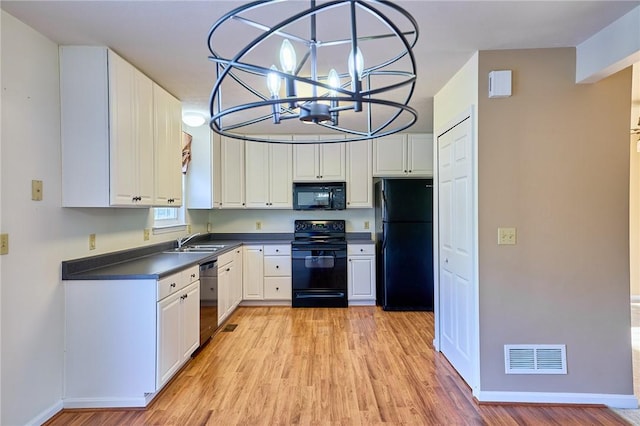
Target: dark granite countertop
153 262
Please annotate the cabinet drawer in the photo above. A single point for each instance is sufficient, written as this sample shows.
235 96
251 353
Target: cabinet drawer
277 288
277 250
169 285
191 274
356 249
277 266
226 258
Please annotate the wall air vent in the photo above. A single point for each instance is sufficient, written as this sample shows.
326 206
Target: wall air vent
535 359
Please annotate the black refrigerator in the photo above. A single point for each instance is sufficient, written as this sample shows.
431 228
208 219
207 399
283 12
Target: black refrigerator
404 244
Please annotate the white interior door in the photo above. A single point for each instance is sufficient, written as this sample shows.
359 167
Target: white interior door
457 293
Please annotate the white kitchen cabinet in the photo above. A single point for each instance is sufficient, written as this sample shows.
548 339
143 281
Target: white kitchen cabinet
107 129
238 261
229 283
319 162
232 173
204 177
361 274
252 272
403 155
124 339
268 172
167 148
277 272
178 330
359 174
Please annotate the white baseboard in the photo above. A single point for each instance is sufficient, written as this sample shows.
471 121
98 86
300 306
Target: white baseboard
610 400
46 414
362 302
266 303
109 402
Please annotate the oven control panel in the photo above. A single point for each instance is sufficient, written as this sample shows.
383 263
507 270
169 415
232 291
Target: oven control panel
320 226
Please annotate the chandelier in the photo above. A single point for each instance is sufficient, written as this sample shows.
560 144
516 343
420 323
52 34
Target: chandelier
346 67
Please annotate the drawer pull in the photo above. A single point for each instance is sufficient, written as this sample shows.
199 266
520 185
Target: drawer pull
172 285
193 275
277 267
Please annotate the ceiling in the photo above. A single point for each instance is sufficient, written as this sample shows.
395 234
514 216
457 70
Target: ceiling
167 40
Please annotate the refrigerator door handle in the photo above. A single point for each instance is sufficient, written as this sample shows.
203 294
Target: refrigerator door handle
384 206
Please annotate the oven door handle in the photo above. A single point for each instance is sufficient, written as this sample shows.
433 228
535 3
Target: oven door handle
323 295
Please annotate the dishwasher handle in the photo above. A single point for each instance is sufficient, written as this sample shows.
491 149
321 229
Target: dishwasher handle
209 265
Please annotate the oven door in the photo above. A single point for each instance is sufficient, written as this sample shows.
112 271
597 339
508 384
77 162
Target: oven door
319 276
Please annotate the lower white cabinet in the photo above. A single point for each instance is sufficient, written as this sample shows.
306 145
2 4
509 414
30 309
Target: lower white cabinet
361 274
124 339
267 273
229 284
178 330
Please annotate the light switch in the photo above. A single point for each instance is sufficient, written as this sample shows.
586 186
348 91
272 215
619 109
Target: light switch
92 241
36 190
506 236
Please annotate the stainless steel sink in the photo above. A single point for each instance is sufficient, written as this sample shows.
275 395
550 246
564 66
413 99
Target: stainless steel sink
199 248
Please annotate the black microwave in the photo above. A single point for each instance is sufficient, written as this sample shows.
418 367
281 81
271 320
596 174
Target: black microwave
320 196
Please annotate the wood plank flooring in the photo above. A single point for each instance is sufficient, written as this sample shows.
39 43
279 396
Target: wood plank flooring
355 366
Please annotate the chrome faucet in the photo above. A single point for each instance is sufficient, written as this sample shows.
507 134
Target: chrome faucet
185 240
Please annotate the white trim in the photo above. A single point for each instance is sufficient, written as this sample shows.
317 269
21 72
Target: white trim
265 303
115 402
46 415
635 298
610 400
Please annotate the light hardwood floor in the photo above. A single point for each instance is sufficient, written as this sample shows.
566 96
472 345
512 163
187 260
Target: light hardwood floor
355 366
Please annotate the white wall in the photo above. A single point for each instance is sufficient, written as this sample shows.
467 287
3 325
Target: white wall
42 233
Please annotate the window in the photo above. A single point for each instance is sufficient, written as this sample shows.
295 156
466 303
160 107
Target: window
169 218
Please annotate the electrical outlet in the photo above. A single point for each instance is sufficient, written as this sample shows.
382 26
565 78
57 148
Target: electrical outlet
4 244
209 227
189 229
366 224
506 236
36 190
258 225
145 234
92 241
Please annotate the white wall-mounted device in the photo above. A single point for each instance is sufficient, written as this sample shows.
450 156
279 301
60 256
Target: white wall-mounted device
500 84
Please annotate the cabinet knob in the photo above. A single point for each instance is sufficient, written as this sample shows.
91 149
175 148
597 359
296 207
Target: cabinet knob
228 269
260 250
277 288
172 285
277 267
277 250
193 275
361 249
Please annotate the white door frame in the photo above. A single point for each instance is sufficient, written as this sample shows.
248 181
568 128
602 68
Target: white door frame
475 335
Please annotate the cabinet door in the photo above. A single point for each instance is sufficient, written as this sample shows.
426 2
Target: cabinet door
144 137
280 176
332 162
420 154
190 311
169 353
252 274
122 144
361 277
257 174
237 282
232 156
359 175
167 149
389 156
224 284
305 162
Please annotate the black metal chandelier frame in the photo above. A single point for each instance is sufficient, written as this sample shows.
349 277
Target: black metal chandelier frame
320 109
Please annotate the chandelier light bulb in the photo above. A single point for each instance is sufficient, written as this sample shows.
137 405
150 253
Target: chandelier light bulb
359 65
287 57
273 82
333 80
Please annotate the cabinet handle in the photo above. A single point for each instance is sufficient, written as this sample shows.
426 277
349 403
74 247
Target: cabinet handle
172 285
260 250
193 275
361 249
277 288
228 269
277 250
186 296
409 171
277 267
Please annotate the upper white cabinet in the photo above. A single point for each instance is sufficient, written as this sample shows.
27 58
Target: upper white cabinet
107 127
268 175
167 148
232 173
204 176
359 175
405 155
319 162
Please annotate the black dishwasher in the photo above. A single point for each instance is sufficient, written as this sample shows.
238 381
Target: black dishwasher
208 300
